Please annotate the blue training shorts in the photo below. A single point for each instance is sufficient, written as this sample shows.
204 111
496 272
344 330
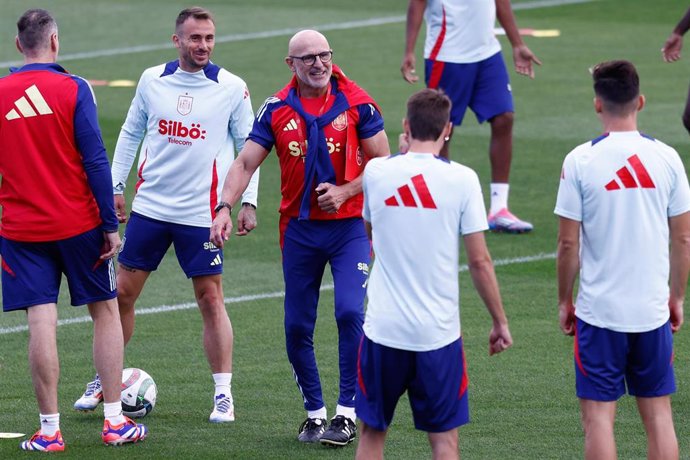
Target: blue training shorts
32 272
436 383
147 240
606 361
482 86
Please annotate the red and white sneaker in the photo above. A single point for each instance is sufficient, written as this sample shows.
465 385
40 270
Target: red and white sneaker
128 431
505 221
44 443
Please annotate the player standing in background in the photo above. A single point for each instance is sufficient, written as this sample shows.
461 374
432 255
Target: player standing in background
622 198
191 115
463 57
322 125
412 338
58 217
671 53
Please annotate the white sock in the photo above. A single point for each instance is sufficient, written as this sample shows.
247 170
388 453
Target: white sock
499 197
348 412
113 412
50 424
319 413
222 381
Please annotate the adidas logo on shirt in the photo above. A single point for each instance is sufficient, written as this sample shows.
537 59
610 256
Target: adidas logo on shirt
216 261
628 180
408 199
31 107
291 125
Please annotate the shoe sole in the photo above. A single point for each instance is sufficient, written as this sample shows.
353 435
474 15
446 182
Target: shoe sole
507 230
85 409
332 443
120 442
216 420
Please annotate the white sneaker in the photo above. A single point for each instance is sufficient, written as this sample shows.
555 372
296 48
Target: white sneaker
506 221
91 397
223 410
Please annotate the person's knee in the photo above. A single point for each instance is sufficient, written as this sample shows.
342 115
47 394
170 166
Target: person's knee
347 313
502 123
298 331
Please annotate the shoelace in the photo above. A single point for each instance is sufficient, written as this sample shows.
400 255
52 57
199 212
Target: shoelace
92 387
339 422
223 405
311 424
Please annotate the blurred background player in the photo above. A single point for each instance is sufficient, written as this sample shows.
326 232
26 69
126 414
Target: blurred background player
412 338
463 57
191 115
58 217
622 198
671 53
321 214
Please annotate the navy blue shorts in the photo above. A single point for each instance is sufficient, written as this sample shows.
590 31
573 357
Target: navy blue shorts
606 361
436 384
147 240
32 272
482 86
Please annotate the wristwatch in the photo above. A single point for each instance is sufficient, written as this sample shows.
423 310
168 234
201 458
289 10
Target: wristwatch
222 205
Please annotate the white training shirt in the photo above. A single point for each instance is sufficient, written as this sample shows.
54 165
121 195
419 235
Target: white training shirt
418 206
623 187
191 124
460 31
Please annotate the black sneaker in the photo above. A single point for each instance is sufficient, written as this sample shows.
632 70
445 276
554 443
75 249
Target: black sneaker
311 430
341 432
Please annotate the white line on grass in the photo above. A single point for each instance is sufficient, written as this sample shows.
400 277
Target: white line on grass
267 295
279 33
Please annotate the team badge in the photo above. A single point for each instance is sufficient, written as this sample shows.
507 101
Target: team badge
184 105
340 122
360 157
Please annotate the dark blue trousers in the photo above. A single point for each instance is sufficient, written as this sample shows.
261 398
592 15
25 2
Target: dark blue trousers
308 246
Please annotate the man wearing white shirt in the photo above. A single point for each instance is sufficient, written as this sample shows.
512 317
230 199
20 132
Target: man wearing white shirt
412 340
623 198
462 56
191 116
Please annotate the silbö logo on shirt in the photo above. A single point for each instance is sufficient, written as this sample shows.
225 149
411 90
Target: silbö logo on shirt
180 134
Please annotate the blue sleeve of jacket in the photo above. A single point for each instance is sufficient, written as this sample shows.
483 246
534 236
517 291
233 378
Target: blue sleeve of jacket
90 144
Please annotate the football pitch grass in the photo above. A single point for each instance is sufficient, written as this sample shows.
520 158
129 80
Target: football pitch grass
522 402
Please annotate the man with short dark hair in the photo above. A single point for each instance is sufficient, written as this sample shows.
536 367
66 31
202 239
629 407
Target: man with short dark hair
191 116
58 217
412 340
623 197
323 127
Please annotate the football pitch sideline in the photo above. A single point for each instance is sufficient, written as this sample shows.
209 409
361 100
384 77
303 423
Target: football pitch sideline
522 402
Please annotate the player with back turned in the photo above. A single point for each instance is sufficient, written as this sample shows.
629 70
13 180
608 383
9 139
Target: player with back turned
623 198
412 338
58 217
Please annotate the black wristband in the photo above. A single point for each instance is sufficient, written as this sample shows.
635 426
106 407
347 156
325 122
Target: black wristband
222 205
246 203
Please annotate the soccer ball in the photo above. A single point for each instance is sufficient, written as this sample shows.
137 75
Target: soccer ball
138 392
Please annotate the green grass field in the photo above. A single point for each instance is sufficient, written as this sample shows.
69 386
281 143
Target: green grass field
522 402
